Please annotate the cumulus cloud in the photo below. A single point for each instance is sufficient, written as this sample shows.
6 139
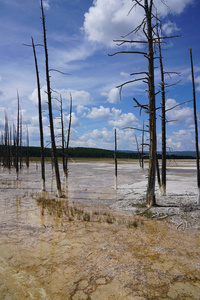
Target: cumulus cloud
99 113
181 139
109 19
103 113
180 114
113 96
78 97
125 120
82 110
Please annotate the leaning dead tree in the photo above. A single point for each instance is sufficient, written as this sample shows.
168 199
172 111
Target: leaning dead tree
40 118
196 127
51 123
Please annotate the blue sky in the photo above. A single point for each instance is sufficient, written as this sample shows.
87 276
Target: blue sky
80 36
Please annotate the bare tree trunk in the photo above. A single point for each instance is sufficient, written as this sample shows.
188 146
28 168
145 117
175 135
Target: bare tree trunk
63 136
53 144
150 196
138 151
17 138
27 149
6 142
162 85
40 118
142 159
20 142
68 135
196 128
158 173
116 156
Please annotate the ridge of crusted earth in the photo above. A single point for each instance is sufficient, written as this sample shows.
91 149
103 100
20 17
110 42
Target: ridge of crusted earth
54 248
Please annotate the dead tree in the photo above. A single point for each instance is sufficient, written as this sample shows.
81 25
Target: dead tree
40 118
51 123
138 151
17 138
142 154
163 116
6 143
115 156
62 135
148 29
20 142
68 135
196 127
27 148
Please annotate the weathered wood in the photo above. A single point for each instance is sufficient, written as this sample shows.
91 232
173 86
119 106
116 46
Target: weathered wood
163 117
68 135
196 127
40 118
150 195
51 123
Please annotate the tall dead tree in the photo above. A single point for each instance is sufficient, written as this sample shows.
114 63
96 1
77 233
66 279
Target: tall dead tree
196 127
142 154
27 148
51 123
116 156
148 29
68 135
163 115
17 138
40 118
6 142
62 135
20 142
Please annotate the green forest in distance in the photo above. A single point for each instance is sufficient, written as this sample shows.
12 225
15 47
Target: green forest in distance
95 153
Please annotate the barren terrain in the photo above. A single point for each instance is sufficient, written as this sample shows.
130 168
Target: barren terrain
99 241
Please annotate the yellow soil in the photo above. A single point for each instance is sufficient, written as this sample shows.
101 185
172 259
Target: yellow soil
96 260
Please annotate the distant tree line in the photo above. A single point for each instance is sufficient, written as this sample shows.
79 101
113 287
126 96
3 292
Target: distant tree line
84 153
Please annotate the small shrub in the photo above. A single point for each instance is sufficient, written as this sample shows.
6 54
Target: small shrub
86 217
132 224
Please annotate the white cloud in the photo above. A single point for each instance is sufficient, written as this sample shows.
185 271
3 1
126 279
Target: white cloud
125 120
109 19
104 113
113 95
181 139
82 110
171 6
169 28
46 4
78 97
197 80
124 74
99 113
180 114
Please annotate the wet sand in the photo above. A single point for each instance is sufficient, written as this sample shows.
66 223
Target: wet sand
91 244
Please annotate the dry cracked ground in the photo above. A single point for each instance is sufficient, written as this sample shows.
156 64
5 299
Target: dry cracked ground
98 242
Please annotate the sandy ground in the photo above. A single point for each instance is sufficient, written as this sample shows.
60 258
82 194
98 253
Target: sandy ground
99 242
